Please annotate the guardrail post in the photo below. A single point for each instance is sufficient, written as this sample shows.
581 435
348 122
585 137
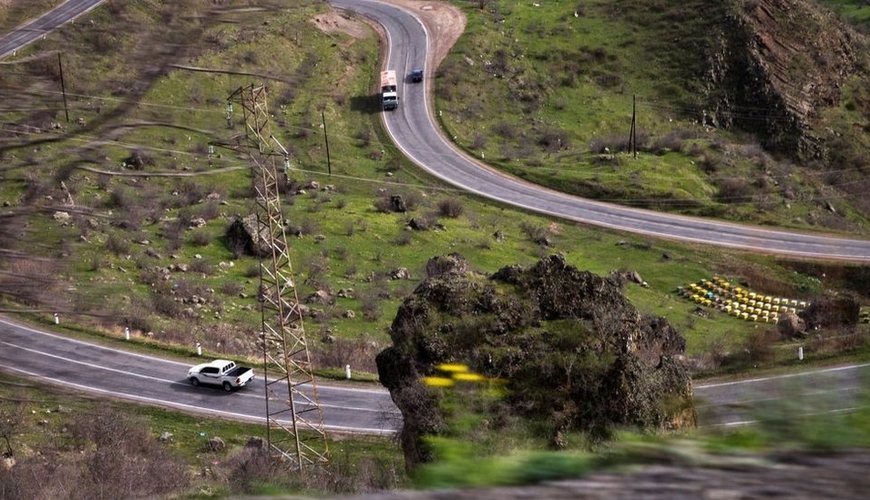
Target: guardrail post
800 353
198 349
347 371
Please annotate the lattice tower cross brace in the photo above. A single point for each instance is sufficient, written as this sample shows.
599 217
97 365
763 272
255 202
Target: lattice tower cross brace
291 390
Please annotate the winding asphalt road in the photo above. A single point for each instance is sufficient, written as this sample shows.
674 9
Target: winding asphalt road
37 28
414 130
118 373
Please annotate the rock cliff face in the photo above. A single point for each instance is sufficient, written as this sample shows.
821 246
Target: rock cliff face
574 352
777 64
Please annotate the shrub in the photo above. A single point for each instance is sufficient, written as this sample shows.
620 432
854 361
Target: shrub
370 305
200 238
479 141
450 207
201 266
535 234
231 288
166 305
734 190
117 244
404 238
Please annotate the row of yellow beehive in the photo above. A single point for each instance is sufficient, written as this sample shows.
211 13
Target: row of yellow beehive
739 302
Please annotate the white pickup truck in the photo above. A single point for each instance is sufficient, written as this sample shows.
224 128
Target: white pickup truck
220 372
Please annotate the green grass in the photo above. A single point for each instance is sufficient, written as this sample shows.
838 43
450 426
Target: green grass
578 77
573 70
348 242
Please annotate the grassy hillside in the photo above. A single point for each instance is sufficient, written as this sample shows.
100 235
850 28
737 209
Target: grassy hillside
577 73
117 216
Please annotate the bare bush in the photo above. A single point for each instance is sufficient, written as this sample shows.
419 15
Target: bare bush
536 234
360 354
340 252
404 238
370 306
734 190
121 198
231 288
365 137
553 140
479 141
200 238
250 467
166 305
609 144
108 454
211 210
759 346
506 130
31 282
202 266
450 207
711 164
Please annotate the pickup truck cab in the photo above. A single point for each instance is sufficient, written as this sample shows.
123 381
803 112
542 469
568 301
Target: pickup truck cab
220 372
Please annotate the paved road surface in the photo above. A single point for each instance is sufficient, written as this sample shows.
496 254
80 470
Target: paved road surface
83 366
37 28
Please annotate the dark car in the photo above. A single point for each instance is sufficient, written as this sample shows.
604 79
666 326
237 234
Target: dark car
417 76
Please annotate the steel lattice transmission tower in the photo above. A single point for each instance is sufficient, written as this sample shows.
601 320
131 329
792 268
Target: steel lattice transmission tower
295 418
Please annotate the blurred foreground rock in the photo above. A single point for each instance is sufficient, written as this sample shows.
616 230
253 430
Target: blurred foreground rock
841 475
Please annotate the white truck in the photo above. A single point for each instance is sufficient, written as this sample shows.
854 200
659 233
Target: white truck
220 372
389 90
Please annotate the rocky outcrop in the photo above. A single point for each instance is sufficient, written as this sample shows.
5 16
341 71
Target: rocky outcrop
245 236
573 351
778 62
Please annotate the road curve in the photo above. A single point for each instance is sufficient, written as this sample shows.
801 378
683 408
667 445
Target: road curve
86 367
414 130
117 373
39 27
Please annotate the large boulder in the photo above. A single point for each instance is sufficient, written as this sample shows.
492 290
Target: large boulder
246 236
574 353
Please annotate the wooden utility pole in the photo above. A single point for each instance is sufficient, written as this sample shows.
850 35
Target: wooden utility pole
326 139
632 135
62 87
